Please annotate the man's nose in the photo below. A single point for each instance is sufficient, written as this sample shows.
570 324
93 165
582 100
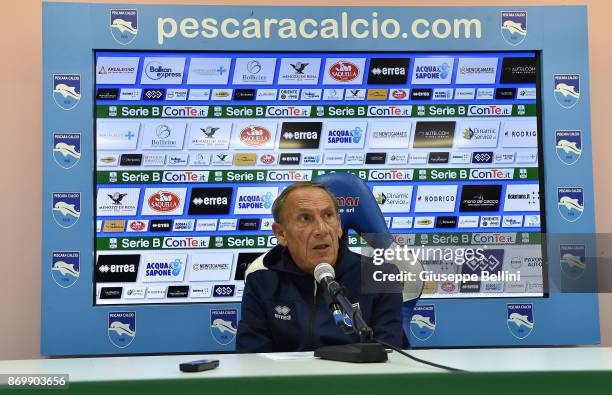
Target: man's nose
320 227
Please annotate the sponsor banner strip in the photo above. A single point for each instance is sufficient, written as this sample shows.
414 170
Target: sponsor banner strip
282 175
319 111
267 241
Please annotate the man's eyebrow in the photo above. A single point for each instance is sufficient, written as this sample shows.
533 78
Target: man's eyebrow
303 209
312 210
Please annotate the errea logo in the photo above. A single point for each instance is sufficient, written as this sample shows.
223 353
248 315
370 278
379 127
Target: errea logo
282 313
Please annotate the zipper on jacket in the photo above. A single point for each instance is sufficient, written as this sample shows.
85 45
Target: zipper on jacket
313 316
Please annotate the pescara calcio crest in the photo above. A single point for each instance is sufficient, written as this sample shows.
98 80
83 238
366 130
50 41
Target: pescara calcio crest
514 26
567 89
570 202
423 322
519 317
568 144
66 149
65 267
66 90
66 208
223 325
124 25
572 258
121 328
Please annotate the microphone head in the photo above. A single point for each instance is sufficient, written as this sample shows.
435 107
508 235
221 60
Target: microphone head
324 270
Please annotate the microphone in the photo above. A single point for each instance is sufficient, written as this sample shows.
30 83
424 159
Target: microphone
367 350
325 274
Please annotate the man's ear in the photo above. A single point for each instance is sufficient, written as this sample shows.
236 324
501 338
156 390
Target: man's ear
279 233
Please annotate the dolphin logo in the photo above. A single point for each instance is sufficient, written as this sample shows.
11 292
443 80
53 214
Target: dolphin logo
567 90
66 209
520 320
573 261
67 91
571 204
124 26
422 322
121 328
569 147
67 150
514 27
65 269
224 326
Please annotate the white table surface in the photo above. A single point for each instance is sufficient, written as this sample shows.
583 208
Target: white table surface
254 365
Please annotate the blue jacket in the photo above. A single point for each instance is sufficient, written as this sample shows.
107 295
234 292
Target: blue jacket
283 309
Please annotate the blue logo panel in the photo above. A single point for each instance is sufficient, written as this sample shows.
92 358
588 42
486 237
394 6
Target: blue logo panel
423 322
514 26
66 208
121 328
65 267
124 25
568 144
520 319
567 89
572 258
570 202
67 90
66 149
223 325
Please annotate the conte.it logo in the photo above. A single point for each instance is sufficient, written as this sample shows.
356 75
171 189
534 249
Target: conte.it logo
124 25
66 90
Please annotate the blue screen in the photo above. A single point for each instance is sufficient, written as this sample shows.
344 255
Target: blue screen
192 148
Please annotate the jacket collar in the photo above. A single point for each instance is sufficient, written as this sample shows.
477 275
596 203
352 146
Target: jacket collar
279 259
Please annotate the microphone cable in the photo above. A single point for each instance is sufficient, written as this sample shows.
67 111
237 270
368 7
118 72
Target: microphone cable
435 365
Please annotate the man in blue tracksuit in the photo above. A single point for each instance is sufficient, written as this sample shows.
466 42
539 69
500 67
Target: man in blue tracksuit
283 309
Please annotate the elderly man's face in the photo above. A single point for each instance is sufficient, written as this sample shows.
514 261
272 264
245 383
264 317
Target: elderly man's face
310 229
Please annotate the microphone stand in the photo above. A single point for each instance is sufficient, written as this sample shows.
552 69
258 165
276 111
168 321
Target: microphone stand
367 350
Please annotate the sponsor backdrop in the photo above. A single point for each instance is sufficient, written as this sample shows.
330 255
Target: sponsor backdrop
124 252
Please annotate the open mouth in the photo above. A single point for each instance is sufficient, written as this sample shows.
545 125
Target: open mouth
321 247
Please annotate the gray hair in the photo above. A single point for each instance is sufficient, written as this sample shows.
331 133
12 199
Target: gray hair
279 203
